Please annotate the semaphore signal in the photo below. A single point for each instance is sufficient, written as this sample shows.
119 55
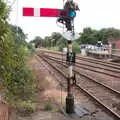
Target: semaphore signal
41 12
66 17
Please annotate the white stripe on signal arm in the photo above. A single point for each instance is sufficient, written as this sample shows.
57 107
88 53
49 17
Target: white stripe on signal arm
36 12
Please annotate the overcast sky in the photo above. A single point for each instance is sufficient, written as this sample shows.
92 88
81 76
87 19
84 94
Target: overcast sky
96 14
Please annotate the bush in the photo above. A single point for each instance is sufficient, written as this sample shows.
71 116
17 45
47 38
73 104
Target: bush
17 79
48 107
30 47
76 47
25 108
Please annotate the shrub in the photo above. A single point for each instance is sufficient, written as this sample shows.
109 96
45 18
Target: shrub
76 47
48 107
25 108
17 79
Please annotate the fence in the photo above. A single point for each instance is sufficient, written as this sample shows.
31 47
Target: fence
4 112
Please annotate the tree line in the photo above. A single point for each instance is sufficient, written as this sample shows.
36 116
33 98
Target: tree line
88 36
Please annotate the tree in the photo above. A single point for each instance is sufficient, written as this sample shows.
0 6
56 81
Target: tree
106 34
38 42
55 37
3 19
18 35
90 36
48 41
16 77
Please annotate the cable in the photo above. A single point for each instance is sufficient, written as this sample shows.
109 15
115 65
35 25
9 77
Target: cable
10 6
57 23
63 3
13 3
17 17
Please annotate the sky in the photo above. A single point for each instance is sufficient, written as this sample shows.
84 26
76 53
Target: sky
96 14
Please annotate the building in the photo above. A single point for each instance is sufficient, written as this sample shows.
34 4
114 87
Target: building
115 45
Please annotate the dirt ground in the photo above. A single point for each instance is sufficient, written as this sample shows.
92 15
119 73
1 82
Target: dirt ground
49 92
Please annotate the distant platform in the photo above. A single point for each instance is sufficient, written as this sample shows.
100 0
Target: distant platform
98 54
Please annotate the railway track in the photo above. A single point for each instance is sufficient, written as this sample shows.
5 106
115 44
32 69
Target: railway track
105 75
107 71
110 99
91 60
104 63
83 74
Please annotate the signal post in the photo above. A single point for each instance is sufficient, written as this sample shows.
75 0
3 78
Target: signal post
66 17
70 81
70 7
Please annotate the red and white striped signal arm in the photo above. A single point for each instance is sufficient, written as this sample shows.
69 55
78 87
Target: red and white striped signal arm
40 12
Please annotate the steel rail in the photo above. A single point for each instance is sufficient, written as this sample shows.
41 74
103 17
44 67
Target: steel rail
108 62
88 77
117 116
78 63
100 62
92 60
83 67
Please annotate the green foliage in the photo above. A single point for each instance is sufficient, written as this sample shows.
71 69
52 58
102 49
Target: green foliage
76 47
90 36
3 20
55 41
18 35
47 42
30 47
38 42
17 79
48 107
106 34
25 108
61 43
19 39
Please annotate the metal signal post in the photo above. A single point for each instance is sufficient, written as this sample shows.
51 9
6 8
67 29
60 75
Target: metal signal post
70 7
66 17
70 97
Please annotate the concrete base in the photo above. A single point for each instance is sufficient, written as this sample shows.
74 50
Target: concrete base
79 111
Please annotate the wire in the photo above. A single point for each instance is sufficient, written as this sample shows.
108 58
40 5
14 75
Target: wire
68 5
63 3
12 3
10 6
59 25
17 17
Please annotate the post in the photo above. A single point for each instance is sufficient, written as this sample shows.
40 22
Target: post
4 110
70 97
110 50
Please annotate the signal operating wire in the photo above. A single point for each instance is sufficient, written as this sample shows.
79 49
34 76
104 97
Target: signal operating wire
17 17
13 3
63 3
10 6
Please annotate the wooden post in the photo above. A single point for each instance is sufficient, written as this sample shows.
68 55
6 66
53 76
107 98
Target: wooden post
3 110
